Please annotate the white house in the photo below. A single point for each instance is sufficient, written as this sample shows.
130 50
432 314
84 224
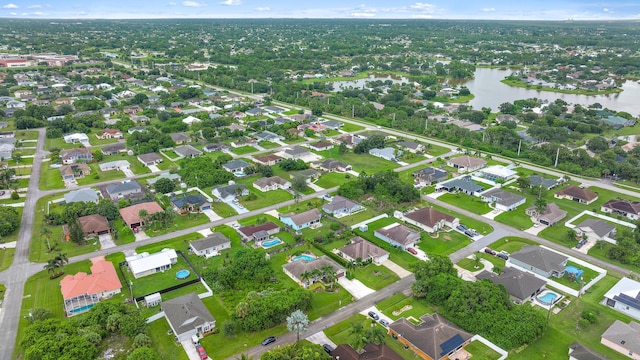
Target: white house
187 316
145 264
115 165
76 138
624 297
211 245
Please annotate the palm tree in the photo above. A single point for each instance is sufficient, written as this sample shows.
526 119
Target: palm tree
51 267
60 260
356 333
375 335
242 309
329 275
305 277
245 357
44 231
316 274
143 214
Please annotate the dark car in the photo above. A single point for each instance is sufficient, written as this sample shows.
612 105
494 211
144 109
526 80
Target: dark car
412 250
268 340
384 322
373 315
327 348
489 251
202 352
461 227
503 256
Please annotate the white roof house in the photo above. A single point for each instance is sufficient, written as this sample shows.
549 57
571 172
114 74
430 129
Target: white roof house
146 264
190 120
624 297
496 172
115 165
76 138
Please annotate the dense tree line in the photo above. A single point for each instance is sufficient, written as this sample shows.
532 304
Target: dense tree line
267 309
9 220
201 171
386 185
297 351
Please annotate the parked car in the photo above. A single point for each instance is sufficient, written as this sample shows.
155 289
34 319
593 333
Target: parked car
489 251
2 192
412 250
581 243
268 340
374 316
327 348
461 227
202 352
502 256
469 233
384 322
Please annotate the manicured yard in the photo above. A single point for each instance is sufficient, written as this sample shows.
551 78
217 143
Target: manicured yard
98 176
6 258
348 127
414 307
480 351
470 264
166 164
125 234
164 343
358 217
516 218
223 209
50 179
324 303
158 281
243 150
445 244
397 255
376 276
254 220
511 244
181 222
360 162
26 135
59 143
301 206
269 144
170 153
264 199
332 179
466 202
481 227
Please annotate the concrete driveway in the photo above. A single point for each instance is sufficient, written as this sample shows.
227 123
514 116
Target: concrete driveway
190 349
128 173
211 215
355 287
140 235
320 338
396 269
106 241
154 168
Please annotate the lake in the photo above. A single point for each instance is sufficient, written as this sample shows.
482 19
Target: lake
490 92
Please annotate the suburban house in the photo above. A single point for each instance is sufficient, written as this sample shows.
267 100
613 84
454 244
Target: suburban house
271 183
466 163
331 165
190 120
150 159
258 233
187 316
74 171
123 189
114 165
428 176
549 216
190 203
387 153
411 146
82 195
187 151
349 140
321 146
173 177
464 184
7 148
363 250
230 192
76 138
434 339
113 149
623 338
576 193
498 173
371 352
340 206
398 235
309 174
503 200
214 147
146 264
520 285
109 134
626 208
332 124
131 214
624 297
79 155
540 261
273 110
309 218
295 153
137 129
535 180
211 245
180 138
429 219
268 136
82 291
577 351
236 167
268 160
596 229
91 225
295 269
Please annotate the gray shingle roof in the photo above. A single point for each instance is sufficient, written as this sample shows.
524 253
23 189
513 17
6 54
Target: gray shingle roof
503 197
599 227
625 335
186 312
210 241
519 284
541 258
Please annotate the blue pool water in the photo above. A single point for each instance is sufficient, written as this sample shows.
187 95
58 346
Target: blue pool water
183 274
81 309
271 243
304 257
574 270
548 297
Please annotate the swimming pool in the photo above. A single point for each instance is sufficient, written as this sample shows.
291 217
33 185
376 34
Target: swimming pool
82 309
304 257
183 274
271 243
548 297
574 270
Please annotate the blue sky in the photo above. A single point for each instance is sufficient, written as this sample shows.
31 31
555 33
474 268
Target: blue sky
371 9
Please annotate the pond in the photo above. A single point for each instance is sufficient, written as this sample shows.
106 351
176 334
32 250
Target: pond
490 92
362 83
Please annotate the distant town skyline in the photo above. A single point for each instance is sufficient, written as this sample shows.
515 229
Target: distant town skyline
372 9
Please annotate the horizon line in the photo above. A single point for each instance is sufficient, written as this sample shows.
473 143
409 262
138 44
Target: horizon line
314 18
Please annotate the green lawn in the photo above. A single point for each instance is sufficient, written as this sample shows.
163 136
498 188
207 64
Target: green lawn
511 244
358 217
480 351
466 202
349 127
59 143
223 209
163 343
264 199
125 234
376 277
470 264
26 135
166 164
397 255
301 206
6 258
400 301
181 222
445 244
479 226
170 153
136 165
360 162
324 303
269 144
50 179
332 179
516 218
98 176
158 281
243 150
252 220
13 236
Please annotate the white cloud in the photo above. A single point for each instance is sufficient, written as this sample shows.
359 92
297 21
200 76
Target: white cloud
488 9
423 7
13 13
263 8
193 4
38 13
37 6
607 10
231 2
10 6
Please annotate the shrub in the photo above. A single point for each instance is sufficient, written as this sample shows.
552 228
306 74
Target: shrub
590 316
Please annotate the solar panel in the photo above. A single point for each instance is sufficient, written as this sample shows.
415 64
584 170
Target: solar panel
451 344
628 300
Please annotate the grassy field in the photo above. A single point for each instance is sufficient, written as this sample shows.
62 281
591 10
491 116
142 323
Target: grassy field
480 351
516 218
360 162
163 343
243 150
223 209
376 277
466 202
268 144
399 301
181 222
59 143
445 244
6 258
50 179
264 199
332 179
349 127
511 244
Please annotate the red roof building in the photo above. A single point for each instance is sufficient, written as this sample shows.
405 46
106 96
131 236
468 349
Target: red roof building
130 213
82 291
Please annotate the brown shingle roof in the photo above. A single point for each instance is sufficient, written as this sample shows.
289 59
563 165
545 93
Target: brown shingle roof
623 205
130 213
248 231
94 223
467 161
428 216
361 248
400 234
577 192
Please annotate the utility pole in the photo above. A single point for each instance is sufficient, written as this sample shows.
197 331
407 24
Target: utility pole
557 155
353 111
252 87
519 145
